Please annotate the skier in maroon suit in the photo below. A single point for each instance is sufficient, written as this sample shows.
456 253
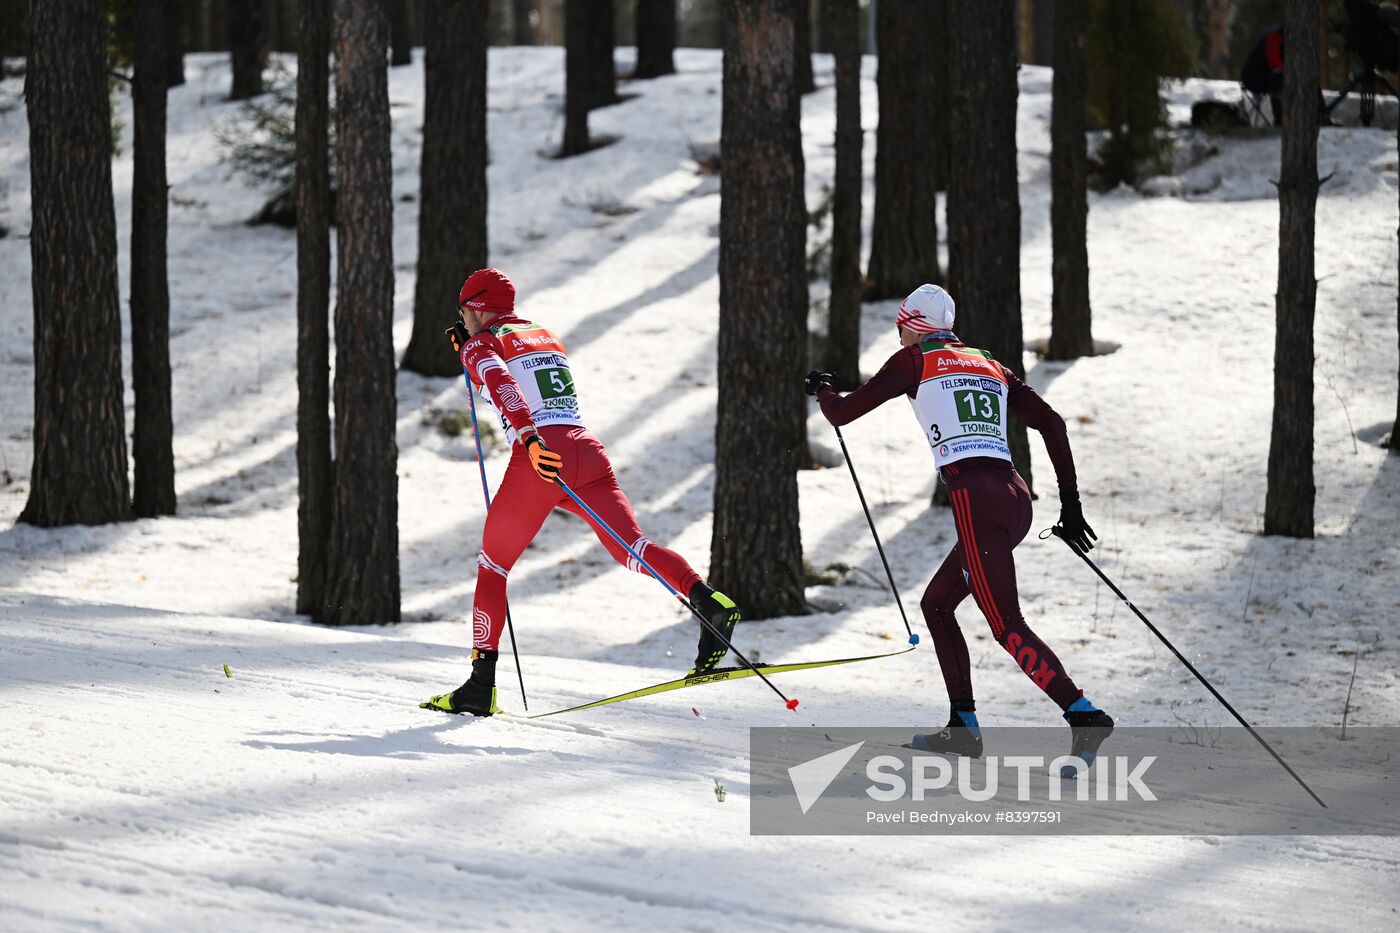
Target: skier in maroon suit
962 397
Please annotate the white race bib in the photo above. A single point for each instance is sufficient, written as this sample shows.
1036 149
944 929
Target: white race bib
961 404
537 362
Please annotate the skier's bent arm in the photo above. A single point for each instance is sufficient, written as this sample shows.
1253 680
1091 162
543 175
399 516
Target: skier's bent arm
899 376
488 370
1026 404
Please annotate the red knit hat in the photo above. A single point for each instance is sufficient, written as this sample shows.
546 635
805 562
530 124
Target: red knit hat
488 290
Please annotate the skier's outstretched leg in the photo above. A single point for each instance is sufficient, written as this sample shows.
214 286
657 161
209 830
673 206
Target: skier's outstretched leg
597 485
992 509
945 591
993 513
607 499
523 502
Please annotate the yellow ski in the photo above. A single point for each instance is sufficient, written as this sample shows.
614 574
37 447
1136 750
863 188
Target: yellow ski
718 675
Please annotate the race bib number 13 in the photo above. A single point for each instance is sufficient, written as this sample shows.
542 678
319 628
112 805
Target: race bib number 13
976 406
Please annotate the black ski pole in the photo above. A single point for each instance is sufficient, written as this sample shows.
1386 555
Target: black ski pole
1056 531
486 491
913 639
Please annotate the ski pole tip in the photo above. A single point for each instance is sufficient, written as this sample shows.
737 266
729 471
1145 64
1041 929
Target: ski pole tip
792 704
913 639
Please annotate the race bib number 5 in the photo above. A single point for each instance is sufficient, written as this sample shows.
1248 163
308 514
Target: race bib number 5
555 383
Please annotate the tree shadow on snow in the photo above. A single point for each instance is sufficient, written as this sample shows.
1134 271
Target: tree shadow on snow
413 744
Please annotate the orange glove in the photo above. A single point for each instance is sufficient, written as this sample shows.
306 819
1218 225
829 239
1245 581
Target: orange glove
457 333
545 461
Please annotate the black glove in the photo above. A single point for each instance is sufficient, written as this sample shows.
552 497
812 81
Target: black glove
816 380
1072 526
457 333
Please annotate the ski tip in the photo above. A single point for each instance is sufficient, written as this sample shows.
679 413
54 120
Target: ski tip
913 639
792 704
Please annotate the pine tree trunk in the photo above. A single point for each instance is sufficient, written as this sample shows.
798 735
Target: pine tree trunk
549 28
1043 19
756 547
79 472
843 332
1070 313
937 90
984 208
801 296
401 48
286 25
576 78
806 84
153 489
599 73
452 194
221 17
604 51
362 576
522 31
904 229
247 48
174 43
314 469
656 38
826 37
1288 503
1218 53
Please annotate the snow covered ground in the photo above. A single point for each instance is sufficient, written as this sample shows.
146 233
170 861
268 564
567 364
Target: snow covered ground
140 788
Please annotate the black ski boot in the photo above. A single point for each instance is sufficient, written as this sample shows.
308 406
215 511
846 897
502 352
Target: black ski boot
962 736
723 615
1087 728
477 696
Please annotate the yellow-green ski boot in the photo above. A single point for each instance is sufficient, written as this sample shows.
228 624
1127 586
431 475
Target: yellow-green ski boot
476 697
723 615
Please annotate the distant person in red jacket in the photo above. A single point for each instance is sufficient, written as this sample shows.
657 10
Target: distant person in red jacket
1263 70
961 398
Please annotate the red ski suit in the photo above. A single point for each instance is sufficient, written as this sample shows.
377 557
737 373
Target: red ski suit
494 358
992 512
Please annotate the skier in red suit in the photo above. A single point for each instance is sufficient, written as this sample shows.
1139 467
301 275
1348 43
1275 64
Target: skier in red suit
523 370
962 397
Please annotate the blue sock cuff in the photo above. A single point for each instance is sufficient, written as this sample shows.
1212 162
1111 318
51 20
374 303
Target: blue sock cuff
1082 705
970 721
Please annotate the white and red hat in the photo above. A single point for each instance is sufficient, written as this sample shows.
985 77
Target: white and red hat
927 309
